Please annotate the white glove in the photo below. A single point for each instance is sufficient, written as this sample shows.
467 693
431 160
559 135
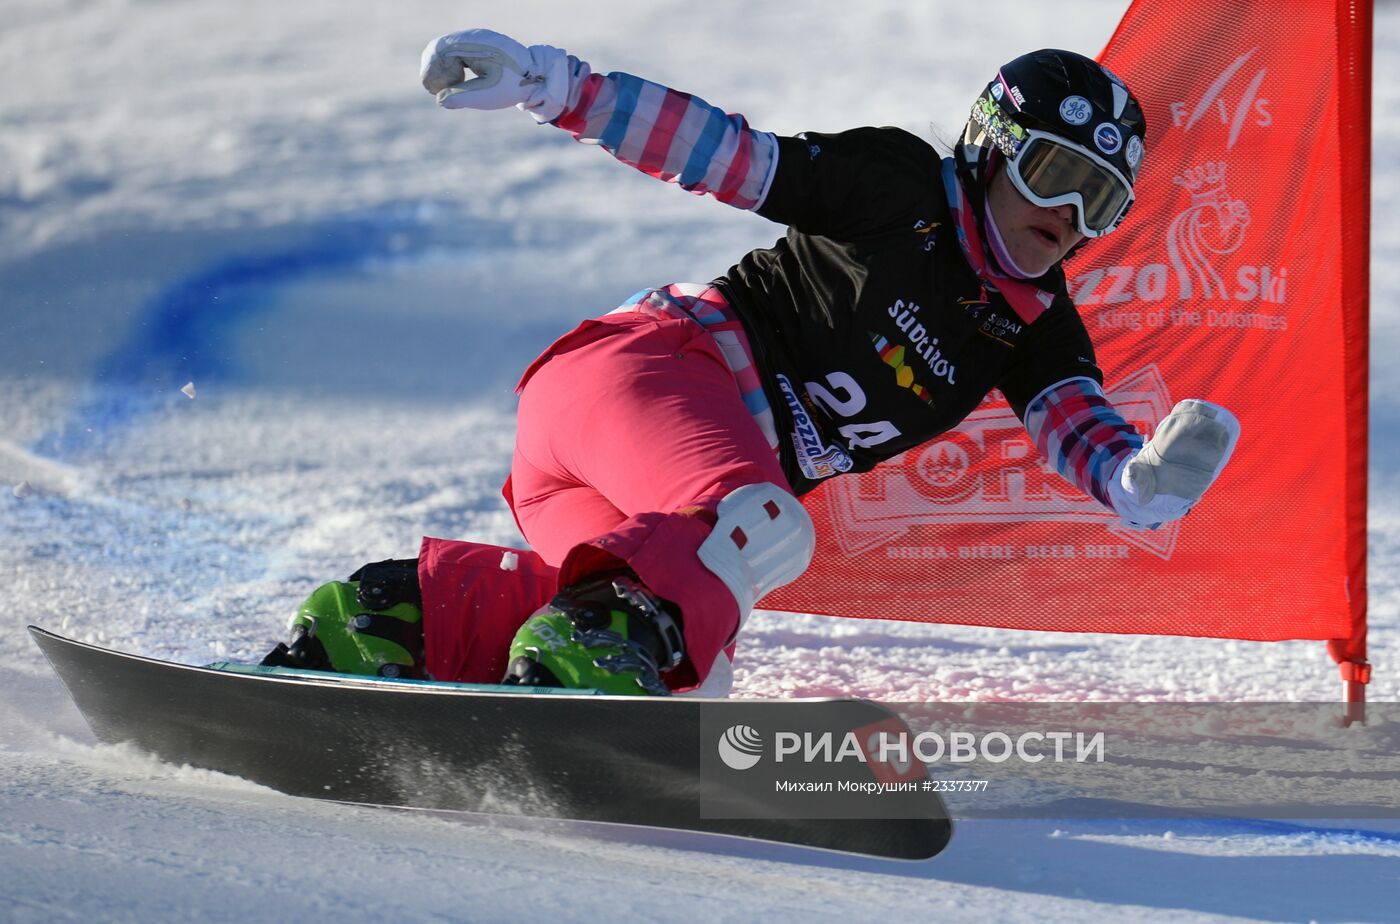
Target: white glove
1163 480
534 79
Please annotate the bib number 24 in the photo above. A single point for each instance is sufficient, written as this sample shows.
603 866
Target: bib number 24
843 398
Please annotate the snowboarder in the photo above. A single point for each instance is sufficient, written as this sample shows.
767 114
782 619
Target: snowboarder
662 447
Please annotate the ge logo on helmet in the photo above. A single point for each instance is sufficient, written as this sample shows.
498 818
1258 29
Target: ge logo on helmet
1075 110
1134 152
1108 138
740 747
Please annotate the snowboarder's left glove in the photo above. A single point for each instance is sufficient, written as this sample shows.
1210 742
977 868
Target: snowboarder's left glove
1163 480
534 79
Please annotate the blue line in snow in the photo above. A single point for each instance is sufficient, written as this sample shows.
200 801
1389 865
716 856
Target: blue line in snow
184 332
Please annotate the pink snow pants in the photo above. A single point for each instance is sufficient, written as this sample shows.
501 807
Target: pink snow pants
631 429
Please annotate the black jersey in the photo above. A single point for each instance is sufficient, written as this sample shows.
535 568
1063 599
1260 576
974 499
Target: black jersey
871 333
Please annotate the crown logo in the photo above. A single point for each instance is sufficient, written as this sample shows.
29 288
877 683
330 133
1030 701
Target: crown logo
1196 179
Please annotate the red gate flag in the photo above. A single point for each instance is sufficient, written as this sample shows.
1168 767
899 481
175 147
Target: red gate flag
1240 276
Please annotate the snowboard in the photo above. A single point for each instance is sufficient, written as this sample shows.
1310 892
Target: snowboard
699 765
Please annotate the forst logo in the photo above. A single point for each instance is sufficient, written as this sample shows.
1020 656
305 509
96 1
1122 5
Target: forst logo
988 472
943 467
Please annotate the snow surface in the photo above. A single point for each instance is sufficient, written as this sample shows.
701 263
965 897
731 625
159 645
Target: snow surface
261 192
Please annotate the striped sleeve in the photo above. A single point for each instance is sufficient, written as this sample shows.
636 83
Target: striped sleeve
1073 425
670 135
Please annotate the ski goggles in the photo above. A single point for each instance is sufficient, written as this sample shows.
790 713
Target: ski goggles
1049 171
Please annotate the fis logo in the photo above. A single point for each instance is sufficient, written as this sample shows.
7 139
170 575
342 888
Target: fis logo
925 230
1231 106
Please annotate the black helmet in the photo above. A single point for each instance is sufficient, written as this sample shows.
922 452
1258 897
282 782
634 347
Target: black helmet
1069 130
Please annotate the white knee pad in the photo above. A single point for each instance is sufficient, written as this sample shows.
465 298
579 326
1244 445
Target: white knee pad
763 539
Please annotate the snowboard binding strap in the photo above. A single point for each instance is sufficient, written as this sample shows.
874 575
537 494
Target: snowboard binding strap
386 584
